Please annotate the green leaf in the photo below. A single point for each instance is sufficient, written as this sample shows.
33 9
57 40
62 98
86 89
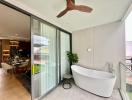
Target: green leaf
72 57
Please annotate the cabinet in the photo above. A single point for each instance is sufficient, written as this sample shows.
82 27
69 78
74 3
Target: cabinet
5 55
7 48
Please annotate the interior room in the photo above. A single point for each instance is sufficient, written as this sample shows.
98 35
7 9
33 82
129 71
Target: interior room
79 49
15 55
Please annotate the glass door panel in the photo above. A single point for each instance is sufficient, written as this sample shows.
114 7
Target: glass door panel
44 70
48 55
65 46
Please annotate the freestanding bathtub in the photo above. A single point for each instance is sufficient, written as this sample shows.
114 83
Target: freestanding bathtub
97 82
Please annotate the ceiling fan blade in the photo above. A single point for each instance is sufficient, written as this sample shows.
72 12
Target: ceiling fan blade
73 1
70 1
62 13
83 8
71 6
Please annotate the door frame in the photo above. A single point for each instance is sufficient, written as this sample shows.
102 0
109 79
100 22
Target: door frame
56 55
0 53
38 18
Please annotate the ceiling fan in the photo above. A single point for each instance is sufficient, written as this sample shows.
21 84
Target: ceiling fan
71 6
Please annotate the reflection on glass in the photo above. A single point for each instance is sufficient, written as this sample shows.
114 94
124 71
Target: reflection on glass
65 46
44 59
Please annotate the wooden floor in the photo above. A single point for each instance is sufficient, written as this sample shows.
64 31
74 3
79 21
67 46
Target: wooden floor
11 88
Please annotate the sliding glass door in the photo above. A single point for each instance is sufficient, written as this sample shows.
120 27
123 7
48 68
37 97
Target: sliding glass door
44 70
49 59
65 46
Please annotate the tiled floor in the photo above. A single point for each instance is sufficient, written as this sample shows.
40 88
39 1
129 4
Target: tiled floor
11 88
76 93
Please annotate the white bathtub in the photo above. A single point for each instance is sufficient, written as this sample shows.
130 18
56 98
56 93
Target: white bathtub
97 82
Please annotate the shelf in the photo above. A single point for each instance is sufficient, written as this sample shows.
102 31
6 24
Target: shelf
13 45
6 50
6 54
16 42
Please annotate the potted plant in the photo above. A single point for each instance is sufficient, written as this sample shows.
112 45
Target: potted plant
72 57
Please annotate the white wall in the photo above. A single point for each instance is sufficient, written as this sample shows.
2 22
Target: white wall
129 48
107 43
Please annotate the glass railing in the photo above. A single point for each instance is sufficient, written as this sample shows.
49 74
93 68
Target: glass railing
126 80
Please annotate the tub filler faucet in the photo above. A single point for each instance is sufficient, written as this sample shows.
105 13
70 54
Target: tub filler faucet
110 67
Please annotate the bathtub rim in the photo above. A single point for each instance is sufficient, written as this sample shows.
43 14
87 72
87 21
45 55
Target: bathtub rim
101 78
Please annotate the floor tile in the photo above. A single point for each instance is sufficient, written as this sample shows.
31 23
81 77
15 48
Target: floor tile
75 93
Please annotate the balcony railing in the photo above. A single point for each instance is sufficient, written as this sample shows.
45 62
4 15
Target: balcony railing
126 79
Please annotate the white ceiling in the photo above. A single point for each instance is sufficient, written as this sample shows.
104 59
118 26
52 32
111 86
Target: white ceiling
104 11
13 24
